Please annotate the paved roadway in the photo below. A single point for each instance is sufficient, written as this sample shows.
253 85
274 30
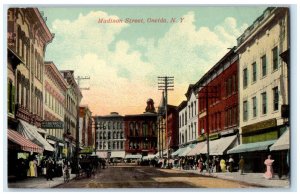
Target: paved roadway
132 176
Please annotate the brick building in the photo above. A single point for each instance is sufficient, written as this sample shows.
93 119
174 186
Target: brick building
220 85
141 133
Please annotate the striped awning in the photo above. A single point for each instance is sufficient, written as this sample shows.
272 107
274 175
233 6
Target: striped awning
25 144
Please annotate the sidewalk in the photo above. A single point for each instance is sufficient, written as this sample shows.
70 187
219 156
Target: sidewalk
37 183
256 179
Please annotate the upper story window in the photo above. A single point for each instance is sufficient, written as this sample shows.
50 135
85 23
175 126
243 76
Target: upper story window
264 102
245 110
275 98
245 78
254 107
275 58
263 65
254 72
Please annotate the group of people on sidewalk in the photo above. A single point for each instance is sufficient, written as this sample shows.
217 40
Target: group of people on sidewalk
217 164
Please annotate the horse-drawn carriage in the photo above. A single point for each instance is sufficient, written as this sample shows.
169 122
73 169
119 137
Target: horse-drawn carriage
89 165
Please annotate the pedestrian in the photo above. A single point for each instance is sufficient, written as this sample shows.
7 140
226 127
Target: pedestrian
269 168
32 169
241 165
231 162
50 169
200 165
223 165
213 164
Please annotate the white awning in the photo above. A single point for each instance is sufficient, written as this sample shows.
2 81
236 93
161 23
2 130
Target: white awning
177 152
219 146
51 141
187 150
117 154
149 157
31 133
196 149
283 143
102 154
133 156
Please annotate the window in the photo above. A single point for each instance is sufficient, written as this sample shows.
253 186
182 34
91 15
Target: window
131 129
254 106
245 78
229 86
275 98
254 72
185 117
264 65
145 129
195 107
233 84
245 110
179 121
11 97
264 102
275 58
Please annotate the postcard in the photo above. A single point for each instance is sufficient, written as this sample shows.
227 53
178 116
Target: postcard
156 96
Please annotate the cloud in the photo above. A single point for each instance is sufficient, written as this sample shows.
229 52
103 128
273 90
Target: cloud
123 78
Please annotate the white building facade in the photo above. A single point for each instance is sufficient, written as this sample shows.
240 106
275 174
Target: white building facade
263 84
110 139
182 123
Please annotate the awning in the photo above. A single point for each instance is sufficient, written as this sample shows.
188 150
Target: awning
102 154
251 147
149 157
196 149
188 149
133 156
31 133
51 141
219 146
25 144
117 154
283 143
178 151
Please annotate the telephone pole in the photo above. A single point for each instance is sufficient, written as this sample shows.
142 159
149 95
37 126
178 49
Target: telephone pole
210 93
166 83
79 78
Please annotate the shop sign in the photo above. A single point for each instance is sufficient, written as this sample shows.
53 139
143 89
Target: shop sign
259 126
52 125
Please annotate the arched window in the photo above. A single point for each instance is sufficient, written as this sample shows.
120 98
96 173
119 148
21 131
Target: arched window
109 135
114 145
131 129
118 146
137 129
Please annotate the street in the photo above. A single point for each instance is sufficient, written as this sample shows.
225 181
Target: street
132 176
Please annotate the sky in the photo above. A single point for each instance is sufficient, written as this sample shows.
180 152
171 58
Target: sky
123 60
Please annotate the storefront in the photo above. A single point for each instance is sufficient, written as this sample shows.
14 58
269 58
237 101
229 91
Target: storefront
19 150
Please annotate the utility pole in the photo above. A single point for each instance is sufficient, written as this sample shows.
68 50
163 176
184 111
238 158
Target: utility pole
166 83
209 94
79 78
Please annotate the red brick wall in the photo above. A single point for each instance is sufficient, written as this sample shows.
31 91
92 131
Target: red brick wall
227 102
